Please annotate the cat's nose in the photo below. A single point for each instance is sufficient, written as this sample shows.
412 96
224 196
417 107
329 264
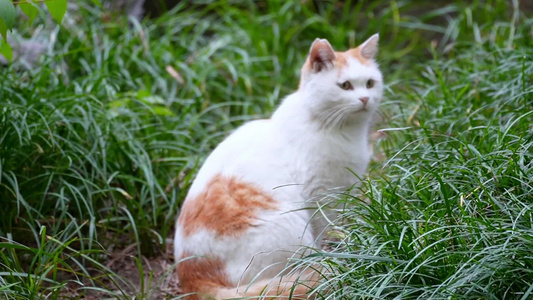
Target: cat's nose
364 100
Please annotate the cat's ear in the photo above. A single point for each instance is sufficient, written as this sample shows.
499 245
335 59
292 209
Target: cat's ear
369 48
321 55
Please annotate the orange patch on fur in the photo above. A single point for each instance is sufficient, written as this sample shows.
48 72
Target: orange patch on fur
356 53
201 275
226 206
341 60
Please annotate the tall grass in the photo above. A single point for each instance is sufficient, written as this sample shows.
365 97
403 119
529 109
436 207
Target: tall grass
100 141
449 213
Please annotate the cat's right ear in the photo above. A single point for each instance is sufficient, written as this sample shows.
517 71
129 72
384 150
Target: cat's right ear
321 55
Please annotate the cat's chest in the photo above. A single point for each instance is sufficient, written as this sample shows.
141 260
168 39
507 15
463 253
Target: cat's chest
330 163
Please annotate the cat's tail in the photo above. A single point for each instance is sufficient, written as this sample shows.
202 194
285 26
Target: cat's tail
297 286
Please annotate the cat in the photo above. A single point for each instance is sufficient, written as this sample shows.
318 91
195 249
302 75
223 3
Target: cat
247 212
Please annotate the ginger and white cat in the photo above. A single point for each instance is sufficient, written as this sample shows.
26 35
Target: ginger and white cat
245 214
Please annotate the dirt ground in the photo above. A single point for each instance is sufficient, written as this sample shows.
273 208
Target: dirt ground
158 280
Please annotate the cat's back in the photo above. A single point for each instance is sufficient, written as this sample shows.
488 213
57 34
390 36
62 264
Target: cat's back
245 154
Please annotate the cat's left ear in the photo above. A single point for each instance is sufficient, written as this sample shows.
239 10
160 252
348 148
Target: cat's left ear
369 48
321 55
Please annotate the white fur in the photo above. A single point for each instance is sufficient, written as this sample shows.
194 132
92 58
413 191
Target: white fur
298 156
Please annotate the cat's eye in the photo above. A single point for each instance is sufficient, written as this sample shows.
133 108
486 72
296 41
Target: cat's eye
346 85
370 84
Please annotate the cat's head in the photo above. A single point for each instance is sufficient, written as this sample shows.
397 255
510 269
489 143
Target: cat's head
342 87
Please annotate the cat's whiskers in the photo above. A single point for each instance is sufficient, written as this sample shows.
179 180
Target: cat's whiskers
324 117
350 111
339 123
336 116
330 115
328 120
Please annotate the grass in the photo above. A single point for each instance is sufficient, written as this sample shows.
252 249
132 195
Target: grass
451 209
99 142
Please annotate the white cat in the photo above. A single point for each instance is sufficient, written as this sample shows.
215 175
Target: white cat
244 215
